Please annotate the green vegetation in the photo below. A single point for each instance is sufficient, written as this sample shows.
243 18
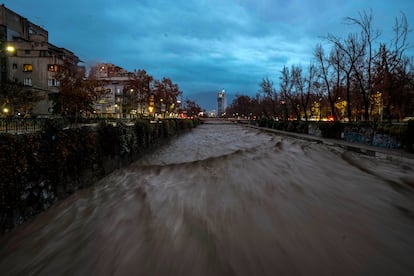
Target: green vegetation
38 169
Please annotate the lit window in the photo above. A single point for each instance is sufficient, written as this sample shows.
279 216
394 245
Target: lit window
27 68
27 81
52 67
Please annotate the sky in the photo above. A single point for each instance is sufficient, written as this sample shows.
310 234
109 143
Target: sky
205 45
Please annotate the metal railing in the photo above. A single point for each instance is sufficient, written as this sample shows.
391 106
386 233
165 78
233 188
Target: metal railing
21 125
30 125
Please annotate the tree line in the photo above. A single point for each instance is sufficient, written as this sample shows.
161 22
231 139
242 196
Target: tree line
141 91
351 78
79 92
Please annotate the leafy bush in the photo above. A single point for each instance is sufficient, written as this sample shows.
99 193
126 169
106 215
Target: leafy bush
408 138
143 129
37 169
170 128
292 125
109 140
302 127
280 125
263 122
331 129
186 124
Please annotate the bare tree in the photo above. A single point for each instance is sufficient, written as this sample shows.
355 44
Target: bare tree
286 92
329 73
393 79
269 96
351 51
303 86
363 72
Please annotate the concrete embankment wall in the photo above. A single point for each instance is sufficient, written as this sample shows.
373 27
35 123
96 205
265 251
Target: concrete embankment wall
41 168
381 135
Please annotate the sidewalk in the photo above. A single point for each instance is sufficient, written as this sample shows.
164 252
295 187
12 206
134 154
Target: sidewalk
385 153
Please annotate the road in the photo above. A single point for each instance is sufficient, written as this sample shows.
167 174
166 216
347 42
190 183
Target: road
224 199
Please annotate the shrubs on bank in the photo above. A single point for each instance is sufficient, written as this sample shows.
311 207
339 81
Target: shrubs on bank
292 126
409 136
331 129
39 168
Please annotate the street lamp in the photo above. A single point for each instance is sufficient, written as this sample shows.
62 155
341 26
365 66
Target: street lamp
10 49
5 110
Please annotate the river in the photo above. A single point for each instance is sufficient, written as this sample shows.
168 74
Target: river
225 199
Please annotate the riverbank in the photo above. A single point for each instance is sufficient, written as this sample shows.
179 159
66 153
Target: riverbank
386 153
41 168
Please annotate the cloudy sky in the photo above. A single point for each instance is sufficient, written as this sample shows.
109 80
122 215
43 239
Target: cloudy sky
204 45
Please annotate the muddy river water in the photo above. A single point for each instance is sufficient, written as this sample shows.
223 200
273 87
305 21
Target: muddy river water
229 200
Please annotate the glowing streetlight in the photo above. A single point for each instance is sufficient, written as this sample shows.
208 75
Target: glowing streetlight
10 49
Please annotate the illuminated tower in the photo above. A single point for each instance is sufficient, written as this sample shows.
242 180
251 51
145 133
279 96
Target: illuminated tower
221 103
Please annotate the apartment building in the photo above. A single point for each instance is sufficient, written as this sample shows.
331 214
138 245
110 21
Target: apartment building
120 97
114 81
28 60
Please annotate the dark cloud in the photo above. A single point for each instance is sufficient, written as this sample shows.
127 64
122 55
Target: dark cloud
203 45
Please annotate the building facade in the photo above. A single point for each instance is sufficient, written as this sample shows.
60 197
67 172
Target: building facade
221 103
114 81
120 93
29 61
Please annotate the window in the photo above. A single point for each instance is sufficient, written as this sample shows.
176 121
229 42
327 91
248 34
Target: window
27 52
44 53
14 66
53 82
27 81
27 68
52 67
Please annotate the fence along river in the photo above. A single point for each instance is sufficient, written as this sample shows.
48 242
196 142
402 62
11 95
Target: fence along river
228 200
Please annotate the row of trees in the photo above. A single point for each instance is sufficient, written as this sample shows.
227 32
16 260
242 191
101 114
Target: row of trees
140 92
78 94
161 95
352 78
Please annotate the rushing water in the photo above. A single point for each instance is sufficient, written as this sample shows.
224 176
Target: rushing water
229 200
